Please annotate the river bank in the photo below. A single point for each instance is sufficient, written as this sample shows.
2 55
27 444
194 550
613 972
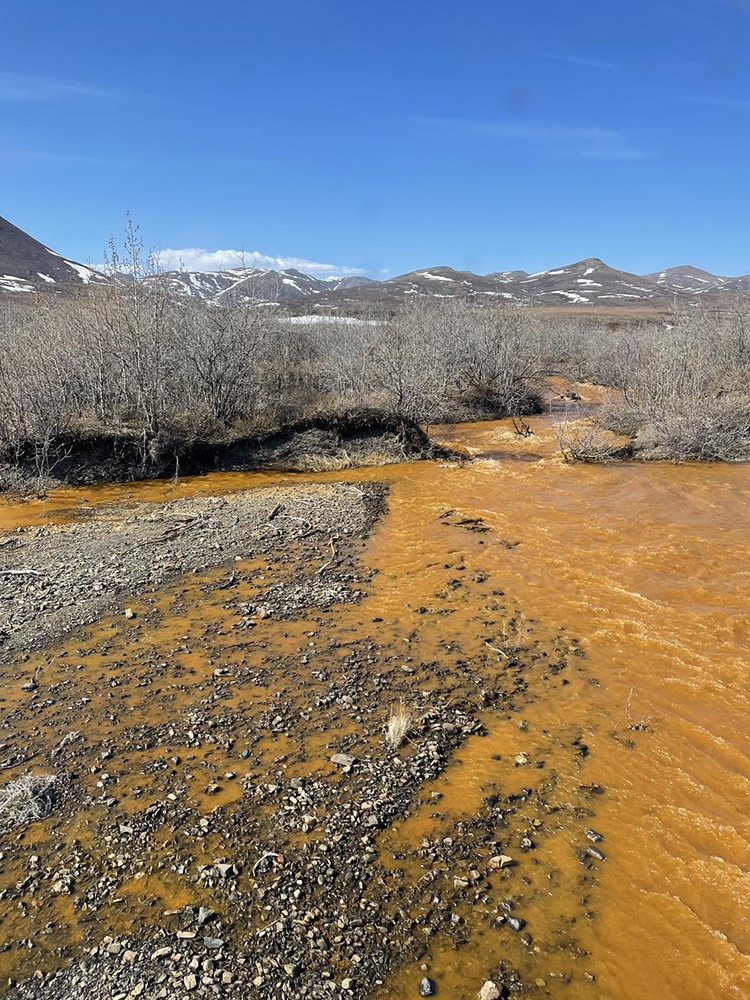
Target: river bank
349 439
223 775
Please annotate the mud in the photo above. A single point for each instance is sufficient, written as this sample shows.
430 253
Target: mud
57 577
231 818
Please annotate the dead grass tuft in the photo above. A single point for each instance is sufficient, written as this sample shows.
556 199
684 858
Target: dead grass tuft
397 728
27 799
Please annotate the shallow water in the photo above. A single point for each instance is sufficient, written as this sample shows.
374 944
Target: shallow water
648 567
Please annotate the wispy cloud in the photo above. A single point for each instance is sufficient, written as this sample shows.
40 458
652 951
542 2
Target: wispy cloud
564 141
720 102
21 89
579 61
199 259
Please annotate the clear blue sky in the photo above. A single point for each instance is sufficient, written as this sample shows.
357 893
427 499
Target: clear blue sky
384 136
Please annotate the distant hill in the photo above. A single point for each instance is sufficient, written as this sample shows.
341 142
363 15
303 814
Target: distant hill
26 265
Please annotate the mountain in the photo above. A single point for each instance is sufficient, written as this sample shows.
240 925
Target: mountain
686 278
445 282
589 282
26 265
253 284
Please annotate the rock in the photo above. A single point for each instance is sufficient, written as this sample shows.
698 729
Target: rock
523 758
129 613
190 981
489 991
517 923
212 943
499 862
204 915
347 984
343 759
427 987
593 836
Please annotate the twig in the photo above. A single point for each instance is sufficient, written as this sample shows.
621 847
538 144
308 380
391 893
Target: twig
496 649
332 559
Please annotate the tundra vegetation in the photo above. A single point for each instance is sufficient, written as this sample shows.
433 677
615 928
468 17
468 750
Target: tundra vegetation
131 362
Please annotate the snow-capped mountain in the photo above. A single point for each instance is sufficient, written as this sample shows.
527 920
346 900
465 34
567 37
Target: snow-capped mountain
26 265
686 278
588 282
252 284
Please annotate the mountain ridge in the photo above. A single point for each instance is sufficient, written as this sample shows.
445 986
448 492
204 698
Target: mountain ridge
26 265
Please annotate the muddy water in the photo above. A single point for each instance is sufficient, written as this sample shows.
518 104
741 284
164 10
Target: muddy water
647 567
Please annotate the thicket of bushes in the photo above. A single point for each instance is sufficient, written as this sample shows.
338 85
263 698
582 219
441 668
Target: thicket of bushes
130 360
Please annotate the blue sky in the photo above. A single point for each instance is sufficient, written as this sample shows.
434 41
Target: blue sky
382 137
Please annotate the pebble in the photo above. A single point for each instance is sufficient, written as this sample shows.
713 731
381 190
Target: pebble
489 991
427 987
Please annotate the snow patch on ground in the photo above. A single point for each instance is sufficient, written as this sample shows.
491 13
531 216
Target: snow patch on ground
435 277
571 296
10 283
338 320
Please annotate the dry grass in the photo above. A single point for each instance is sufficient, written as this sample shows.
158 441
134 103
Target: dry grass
26 799
335 463
397 728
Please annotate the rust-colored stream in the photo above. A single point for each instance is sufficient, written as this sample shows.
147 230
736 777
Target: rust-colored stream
648 567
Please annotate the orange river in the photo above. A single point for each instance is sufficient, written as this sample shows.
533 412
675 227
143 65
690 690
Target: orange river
648 566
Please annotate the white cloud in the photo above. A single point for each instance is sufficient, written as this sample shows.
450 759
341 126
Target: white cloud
18 88
579 60
576 141
199 259
721 102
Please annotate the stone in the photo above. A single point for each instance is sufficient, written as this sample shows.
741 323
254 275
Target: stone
212 943
343 759
204 915
190 981
427 987
499 862
489 991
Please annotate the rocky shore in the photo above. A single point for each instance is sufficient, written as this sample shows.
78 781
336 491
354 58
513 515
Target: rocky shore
230 795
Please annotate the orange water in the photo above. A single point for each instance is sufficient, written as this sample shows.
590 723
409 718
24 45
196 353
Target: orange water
648 567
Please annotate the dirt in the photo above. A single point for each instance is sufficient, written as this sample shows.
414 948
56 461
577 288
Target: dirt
230 818
55 578
324 441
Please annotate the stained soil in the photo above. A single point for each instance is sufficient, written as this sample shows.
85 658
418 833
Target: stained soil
230 818
57 577
337 440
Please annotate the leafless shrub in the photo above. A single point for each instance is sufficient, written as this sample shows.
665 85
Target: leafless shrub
642 725
27 799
